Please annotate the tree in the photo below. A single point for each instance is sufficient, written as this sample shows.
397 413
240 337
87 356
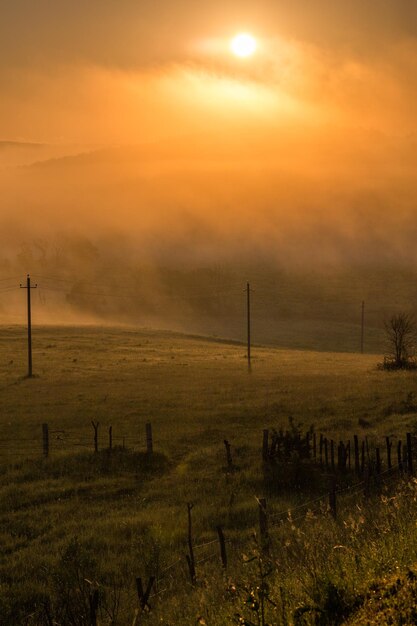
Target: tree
401 334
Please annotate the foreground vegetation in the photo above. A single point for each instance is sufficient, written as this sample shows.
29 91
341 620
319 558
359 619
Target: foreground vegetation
78 522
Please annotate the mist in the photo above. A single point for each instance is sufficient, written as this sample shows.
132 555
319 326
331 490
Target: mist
146 179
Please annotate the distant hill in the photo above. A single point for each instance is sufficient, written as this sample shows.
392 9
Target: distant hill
18 153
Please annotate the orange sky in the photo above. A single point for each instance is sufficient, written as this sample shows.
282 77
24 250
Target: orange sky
105 72
306 148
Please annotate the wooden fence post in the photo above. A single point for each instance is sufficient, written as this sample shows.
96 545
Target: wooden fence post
399 456
45 440
409 455
332 454
222 542
314 447
326 453
356 454
389 446
149 440
378 462
190 556
143 596
228 454
265 444
95 426
110 438
348 452
93 601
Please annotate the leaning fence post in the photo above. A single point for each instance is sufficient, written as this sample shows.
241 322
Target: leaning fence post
45 440
222 543
149 440
95 426
143 596
190 556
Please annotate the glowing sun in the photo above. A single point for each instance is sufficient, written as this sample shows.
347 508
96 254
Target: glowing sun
243 45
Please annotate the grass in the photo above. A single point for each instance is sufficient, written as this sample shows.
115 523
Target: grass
106 518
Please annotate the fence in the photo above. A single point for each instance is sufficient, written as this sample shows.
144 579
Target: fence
354 468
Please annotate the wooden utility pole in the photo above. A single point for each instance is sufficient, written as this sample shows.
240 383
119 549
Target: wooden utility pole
362 325
28 287
248 320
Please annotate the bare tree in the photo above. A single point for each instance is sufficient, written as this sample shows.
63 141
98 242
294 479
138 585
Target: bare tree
401 333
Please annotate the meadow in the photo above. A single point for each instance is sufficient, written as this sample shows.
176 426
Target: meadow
81 521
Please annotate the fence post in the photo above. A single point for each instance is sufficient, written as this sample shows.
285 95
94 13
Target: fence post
149 440
95 426
356 453
314 447
93 601
190 556
263 524
143 596
399 456
348 449
409 455
265 444
45 440
110 438
389 446
321 449
378 463
228 454
332 453
326 453
222 542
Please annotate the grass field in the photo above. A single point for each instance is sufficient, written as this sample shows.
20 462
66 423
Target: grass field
106 519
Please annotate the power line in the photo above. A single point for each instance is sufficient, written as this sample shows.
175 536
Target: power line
135 297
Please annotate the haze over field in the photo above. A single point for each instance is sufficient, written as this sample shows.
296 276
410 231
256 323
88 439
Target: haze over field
136 152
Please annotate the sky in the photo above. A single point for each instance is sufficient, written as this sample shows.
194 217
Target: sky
127 71
305 152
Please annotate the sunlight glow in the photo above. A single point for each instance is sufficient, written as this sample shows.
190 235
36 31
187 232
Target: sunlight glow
243 45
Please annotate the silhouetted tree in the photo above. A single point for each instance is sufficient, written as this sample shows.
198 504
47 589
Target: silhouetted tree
401 333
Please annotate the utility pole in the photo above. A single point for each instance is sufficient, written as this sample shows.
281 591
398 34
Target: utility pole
362 325
248 320
29 287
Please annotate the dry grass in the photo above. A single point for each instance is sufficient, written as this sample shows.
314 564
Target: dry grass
114 517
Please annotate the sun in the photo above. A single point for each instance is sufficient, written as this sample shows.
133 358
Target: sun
243 45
